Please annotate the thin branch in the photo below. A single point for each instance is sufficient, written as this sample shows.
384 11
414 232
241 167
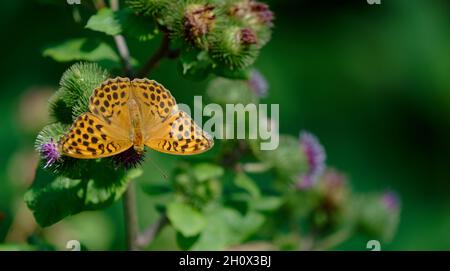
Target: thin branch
122 47
147 237
154 60
130 214
124 55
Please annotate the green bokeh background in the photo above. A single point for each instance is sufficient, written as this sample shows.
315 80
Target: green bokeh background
371 81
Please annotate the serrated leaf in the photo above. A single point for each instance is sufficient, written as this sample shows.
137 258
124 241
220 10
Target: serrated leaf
96 186
185 219
245 182
105 21
206 171
84 49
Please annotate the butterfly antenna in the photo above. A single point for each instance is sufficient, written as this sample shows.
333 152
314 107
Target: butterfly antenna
158 168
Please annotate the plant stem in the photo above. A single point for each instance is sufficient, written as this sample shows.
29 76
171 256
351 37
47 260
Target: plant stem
154 60
121 45
130 213
124 55
145 238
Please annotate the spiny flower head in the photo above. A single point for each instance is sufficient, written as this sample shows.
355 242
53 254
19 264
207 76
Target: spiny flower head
198 21
49 152
315 155
253 12
247 36
128 159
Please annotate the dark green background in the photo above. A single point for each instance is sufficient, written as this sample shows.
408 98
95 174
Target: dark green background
371 81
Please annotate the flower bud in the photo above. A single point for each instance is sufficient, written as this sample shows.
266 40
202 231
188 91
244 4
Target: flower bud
253 12
258 84
247 36
198 21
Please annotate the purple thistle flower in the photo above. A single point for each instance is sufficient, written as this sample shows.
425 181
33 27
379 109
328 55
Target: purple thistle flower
49 152
128 159
315 155
258 84
391 200
252 8
262 11
247 36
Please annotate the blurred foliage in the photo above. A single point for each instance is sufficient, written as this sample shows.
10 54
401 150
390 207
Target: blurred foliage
370 81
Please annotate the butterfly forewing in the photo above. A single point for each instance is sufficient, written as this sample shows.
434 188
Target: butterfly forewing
90 137
109 102
155 101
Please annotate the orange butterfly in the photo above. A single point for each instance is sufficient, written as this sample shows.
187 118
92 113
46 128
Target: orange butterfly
138 113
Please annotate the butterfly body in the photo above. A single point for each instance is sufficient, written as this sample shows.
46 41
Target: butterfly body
136 124
137 113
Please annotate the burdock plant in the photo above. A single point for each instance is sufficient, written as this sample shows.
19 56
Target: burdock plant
236 190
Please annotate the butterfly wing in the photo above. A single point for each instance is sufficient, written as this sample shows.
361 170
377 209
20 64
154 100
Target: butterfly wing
155 101
166 128
109 103
90 137
104 131
179 134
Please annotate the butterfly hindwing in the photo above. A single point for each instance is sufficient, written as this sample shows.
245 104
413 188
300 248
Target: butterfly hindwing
179 134
89 137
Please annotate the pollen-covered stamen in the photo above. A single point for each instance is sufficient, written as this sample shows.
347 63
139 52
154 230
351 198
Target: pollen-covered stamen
49 152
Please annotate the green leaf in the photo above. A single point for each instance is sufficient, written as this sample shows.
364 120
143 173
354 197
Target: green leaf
243 74
156 189
195 64
185 243
205 171
227 227
122 22
245 182
140 28
84 49
105 21
268 203
96 185
226 91
185 219
287 159
17 247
